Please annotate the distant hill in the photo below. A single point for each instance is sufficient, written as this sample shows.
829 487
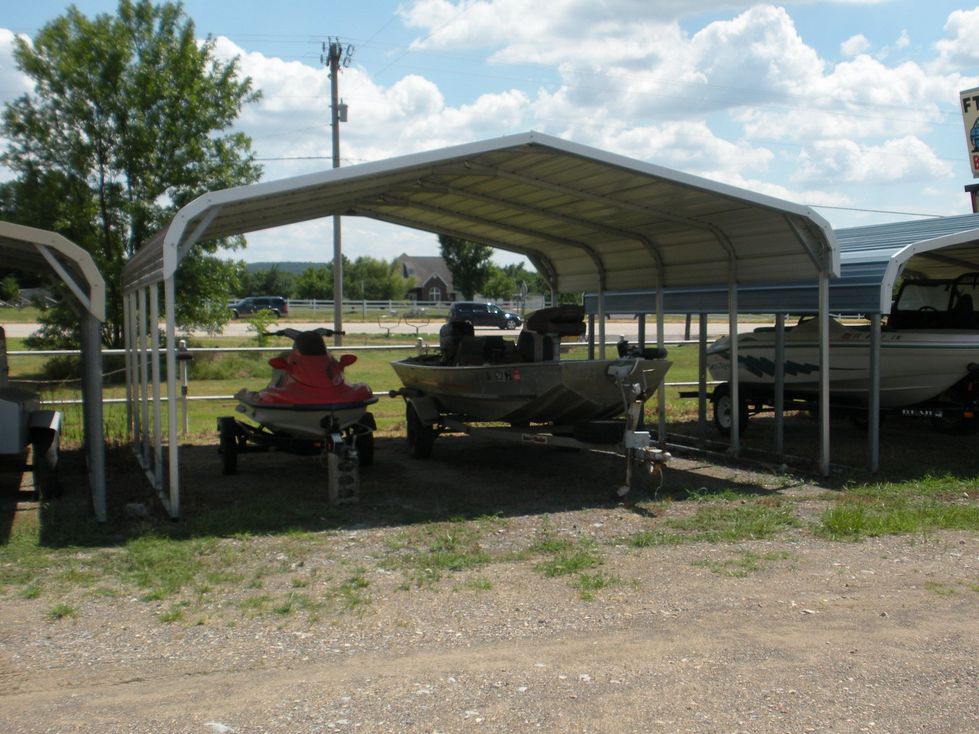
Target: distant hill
296 268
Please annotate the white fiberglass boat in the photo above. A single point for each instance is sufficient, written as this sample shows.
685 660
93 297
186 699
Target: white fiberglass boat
929 354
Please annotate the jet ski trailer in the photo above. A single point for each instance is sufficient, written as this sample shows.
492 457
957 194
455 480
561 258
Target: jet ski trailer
306 409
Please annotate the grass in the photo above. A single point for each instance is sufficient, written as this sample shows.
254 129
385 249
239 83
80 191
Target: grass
933 503
742 564
425 553
183 568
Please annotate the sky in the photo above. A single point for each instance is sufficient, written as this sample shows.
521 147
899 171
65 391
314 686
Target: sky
850 107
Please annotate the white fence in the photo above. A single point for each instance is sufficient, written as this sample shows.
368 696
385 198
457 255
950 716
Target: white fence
403 307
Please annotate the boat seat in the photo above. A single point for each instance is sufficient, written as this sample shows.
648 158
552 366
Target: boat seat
534 347
450 336
565 320
477 350
963 315
540 339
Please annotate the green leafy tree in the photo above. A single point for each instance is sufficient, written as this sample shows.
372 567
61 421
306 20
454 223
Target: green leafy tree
469 263
9 288
315 283
270 282
129 119
500 285
373 279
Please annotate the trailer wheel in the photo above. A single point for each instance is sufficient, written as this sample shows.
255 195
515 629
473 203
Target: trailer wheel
421 437
228 432
364 443
44 449
723 409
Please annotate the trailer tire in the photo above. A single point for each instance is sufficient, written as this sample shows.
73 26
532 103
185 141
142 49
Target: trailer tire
421 436
364 443
723 410
45 443
229 446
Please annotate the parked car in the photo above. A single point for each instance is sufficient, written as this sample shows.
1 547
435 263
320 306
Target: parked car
483 314
276 304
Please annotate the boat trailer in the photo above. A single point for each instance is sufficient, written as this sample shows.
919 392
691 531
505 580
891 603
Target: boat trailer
624 436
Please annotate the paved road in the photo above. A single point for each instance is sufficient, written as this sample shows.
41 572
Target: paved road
613 329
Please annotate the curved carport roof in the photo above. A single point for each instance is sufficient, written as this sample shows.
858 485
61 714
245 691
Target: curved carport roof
40 251
586 219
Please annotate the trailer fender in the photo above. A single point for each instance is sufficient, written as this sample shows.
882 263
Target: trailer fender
426 408
46 419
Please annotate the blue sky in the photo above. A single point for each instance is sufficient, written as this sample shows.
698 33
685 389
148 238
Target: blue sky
848 106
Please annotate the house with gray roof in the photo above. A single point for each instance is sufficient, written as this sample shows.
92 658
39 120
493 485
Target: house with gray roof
433 281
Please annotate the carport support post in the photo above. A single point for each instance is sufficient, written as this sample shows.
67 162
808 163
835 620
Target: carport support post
144 376
601 322
127 329
661 344
873 407
591 336
154 292
92 409
173 453
732 325
779 384
702 376
824 368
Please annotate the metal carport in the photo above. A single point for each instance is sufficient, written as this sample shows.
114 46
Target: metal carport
41 251
872 260
587 219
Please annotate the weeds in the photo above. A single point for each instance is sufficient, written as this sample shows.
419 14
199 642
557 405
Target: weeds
754 521
888 509
61 611
588 583
742 565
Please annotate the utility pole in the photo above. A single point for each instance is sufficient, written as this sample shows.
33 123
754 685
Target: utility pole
335 55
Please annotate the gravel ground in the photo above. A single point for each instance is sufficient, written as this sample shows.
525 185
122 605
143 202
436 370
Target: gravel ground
813 636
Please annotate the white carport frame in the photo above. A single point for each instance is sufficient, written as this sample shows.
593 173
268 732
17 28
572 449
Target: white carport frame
586 219
41 251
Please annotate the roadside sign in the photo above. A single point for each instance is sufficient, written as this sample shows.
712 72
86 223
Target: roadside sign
970 116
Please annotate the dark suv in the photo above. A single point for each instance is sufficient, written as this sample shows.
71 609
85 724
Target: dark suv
483 314
276 304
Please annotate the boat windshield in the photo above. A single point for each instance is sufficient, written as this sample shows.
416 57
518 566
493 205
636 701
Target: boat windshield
932 295
937 304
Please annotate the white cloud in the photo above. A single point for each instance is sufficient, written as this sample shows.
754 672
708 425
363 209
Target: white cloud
893 160
854 45
13 83
959 51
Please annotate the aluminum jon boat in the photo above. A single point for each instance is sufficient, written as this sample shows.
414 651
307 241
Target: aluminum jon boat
929 356
545 400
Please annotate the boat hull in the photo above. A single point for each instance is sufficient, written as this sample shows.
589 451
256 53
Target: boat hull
915 366
297 420
530 392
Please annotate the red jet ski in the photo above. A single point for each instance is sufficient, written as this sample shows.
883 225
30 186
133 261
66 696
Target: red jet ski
308 407
307 386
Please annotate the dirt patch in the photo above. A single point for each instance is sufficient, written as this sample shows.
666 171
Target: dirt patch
347 619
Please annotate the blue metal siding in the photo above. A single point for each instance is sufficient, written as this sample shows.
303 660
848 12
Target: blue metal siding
865 253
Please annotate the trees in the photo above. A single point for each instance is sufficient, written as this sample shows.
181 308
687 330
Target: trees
129 120
373 279
469 263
